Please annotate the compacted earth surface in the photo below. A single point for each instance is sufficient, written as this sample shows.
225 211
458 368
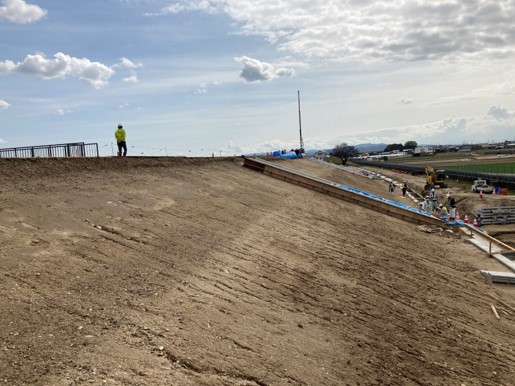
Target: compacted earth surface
182 271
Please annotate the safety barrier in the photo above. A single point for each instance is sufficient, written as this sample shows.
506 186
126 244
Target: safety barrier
504 179
78 149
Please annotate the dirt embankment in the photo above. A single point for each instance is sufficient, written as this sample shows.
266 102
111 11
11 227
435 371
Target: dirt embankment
201 272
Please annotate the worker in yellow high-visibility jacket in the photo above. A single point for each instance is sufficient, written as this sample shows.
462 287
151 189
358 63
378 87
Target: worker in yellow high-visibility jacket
119 135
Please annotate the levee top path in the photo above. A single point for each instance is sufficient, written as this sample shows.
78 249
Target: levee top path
161 271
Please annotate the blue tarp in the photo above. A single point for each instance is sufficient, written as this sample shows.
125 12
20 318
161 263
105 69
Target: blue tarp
400 205
391 202
289 155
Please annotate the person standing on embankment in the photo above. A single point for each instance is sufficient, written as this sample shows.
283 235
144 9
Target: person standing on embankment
120 135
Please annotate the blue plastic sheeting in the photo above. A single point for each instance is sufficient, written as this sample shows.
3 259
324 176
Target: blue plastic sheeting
277 153
391 202
289 155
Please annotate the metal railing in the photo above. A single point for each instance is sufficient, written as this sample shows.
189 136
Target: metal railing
78 149
498 179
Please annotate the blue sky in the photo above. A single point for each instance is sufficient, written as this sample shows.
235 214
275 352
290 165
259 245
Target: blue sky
221 76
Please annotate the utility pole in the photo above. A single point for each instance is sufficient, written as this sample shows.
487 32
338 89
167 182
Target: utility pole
300 127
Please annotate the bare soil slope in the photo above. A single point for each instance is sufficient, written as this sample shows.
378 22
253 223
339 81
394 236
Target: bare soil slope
171 271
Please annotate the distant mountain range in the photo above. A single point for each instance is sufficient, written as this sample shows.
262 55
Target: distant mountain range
370 147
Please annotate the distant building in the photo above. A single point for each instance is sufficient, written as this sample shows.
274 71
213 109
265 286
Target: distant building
422 150
320 155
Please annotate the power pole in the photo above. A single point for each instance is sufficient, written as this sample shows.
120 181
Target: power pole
300 127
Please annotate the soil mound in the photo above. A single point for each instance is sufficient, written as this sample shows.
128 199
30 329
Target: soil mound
161 271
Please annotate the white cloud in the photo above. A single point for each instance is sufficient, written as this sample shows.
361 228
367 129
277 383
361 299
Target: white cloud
18 11
127 63
255 70
406 101
131 79
202 89
479 128
370 30
3 104
7 66
63 111
277 144
188 6
234 148
499 112
62 66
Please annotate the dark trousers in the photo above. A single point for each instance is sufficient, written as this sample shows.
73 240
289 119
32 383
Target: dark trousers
122 145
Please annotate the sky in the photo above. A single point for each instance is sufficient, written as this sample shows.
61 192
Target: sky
223 77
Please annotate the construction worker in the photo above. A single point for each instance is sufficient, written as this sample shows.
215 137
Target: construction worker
433 197
443 212
391 187
404 188
426 205
119 135
452 210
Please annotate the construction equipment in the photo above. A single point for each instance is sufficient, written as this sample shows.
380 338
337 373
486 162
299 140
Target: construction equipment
435 178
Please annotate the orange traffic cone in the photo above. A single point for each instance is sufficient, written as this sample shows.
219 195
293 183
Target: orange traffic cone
480 194
466 220
475 223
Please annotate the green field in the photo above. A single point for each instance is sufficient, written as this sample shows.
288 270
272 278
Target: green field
496 168
467 162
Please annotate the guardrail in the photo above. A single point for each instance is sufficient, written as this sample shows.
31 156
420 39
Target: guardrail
78 149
